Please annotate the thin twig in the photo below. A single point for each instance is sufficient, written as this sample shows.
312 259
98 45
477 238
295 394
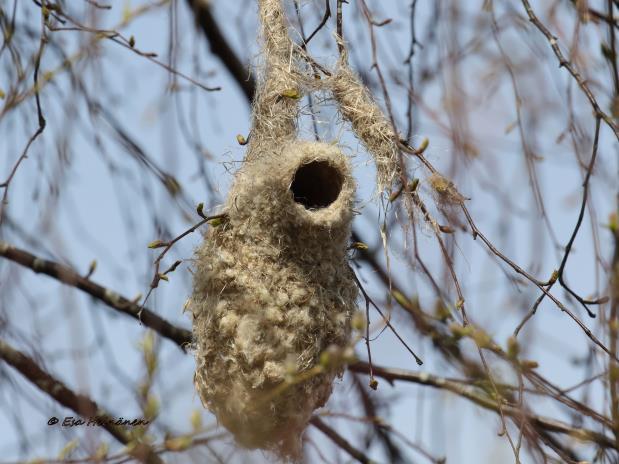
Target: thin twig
339 440
395 332
565 63
79 403
465 391
40 119
581 214
182 337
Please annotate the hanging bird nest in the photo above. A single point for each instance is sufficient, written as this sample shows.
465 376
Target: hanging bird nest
273 291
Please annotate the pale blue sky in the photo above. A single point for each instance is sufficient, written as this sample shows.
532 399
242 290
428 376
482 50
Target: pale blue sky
90 217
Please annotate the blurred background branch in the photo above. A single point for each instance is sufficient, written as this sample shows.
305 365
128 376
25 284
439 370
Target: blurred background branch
118 118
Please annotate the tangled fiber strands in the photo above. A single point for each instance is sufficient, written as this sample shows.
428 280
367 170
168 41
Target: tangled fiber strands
445 189
272 288
368 122
275 108
272 292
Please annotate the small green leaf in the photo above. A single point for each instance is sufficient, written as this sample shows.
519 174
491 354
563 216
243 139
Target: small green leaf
613 223
200 209
178 443
395 194
66 451
196 420
151 409
422 147
554 276
401 299
102 451
446 229
607 52
358 321
441 311
513 348
173 267
127 11
291 93
529 364
157 244
92 267
171 185
216 221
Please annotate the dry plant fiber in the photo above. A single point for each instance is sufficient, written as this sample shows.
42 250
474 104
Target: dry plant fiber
275 107
368 122
272 287
272 292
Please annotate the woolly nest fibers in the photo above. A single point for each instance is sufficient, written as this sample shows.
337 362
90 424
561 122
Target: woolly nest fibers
272 291
272 287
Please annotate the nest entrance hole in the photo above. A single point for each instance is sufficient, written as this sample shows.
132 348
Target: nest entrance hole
316 184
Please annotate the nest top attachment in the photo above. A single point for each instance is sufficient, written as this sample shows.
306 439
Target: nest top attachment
288 73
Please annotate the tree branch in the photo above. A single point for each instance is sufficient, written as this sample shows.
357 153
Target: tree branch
538 422
221 48
66 275
565 63
339 440
78 403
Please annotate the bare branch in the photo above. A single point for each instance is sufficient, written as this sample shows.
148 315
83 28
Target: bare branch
68 276
78 403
